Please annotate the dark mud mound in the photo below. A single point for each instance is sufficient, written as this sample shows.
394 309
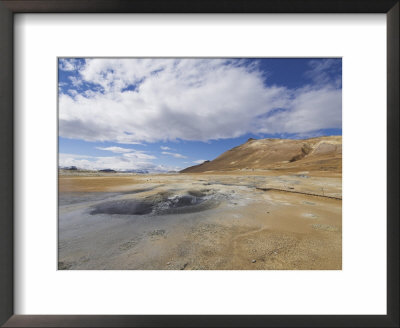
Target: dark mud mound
131 206
185 204
160 204
185 200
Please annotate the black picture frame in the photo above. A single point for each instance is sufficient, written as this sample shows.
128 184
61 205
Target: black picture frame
10 7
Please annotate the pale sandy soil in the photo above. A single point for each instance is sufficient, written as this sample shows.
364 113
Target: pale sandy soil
241 221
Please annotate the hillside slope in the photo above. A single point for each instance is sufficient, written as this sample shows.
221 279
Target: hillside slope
321 153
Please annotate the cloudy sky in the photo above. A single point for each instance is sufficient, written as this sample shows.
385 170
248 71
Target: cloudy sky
167 114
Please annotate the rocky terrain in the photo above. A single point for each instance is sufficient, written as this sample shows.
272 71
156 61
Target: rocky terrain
265 205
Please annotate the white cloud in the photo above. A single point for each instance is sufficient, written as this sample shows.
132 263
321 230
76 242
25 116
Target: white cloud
128 152
72 92
191 100
176 155
139 155
321 71
116 149
165 148
76 82
68 64
199 161
112 162
89 93
310 110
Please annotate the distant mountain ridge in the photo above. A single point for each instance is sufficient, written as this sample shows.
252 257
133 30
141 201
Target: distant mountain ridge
74 168
321 153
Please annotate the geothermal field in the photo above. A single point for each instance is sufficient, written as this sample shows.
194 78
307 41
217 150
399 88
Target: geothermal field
269 204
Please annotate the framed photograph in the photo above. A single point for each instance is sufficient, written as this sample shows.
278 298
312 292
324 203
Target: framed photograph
190 173
219 164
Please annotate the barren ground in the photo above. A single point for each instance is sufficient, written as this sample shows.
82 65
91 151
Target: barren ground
243 219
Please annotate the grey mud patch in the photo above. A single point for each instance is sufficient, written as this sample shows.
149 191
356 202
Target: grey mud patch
130 206
157 233
160 204
62 265
129 244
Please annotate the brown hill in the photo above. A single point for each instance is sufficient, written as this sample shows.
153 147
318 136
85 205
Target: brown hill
321 153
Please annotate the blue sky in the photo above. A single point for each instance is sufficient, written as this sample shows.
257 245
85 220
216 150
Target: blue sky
167 114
